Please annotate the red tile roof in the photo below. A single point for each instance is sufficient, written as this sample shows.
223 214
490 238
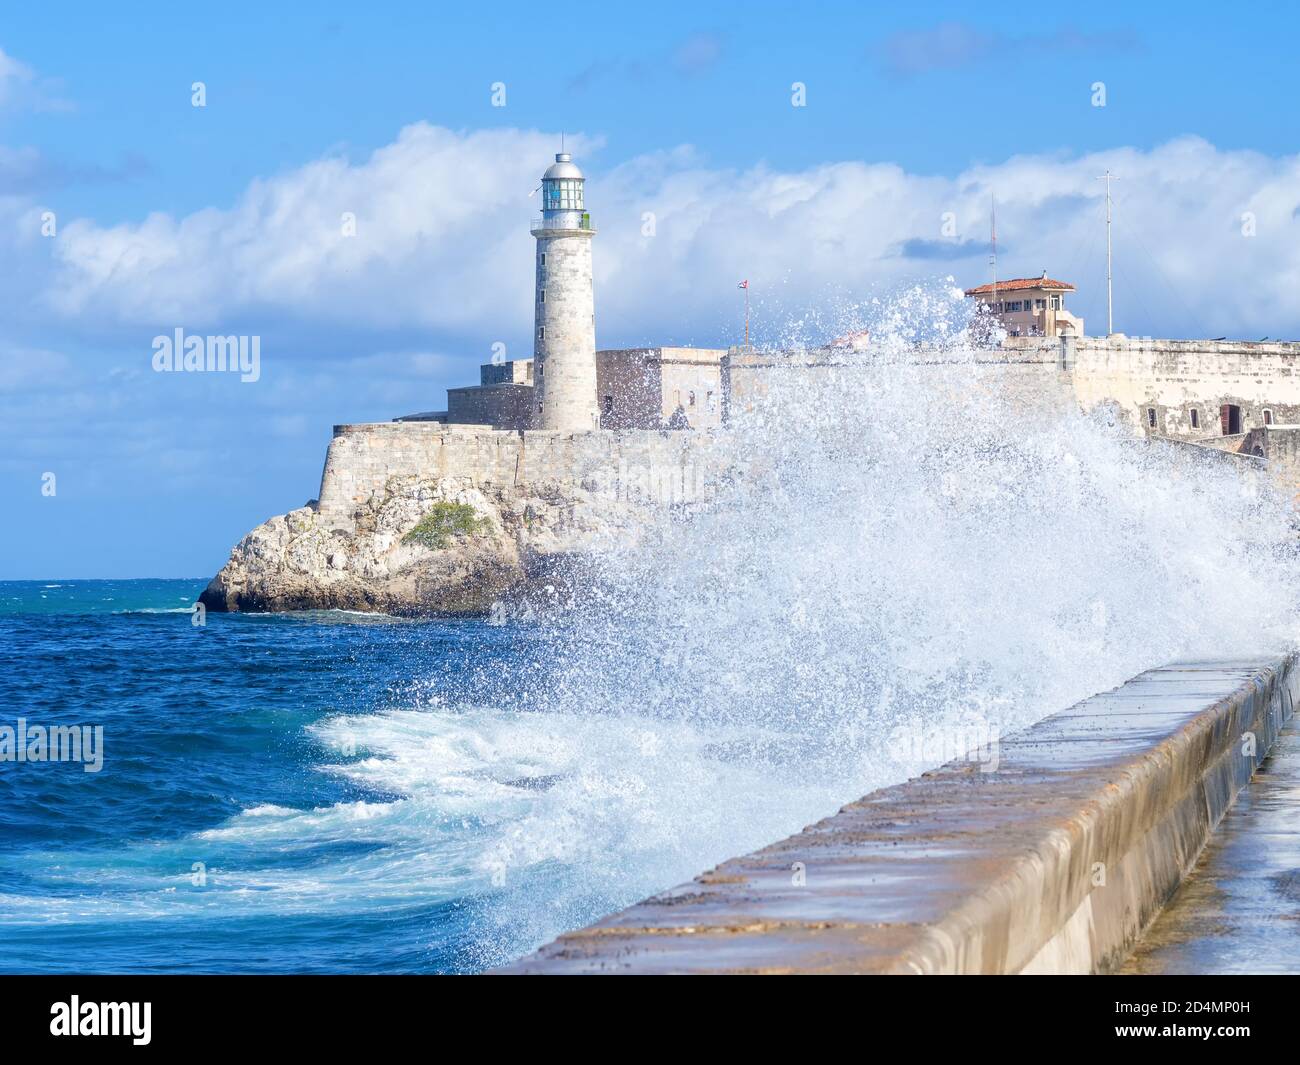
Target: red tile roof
1017 283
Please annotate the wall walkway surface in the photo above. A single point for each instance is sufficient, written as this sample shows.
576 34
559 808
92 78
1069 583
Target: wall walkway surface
1239 910
1055 862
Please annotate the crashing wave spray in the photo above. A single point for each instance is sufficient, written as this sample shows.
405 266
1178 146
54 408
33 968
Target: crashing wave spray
923 542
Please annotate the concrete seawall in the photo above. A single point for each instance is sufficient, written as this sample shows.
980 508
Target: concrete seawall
1054 862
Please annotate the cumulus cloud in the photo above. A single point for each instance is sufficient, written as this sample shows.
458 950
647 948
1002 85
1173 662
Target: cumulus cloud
427 230
442 240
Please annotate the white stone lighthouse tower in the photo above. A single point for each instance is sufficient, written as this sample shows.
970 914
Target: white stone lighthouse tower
564 337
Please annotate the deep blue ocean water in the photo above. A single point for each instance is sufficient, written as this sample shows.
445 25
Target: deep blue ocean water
338 792
230 828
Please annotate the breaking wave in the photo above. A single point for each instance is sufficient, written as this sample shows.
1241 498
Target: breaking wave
919 543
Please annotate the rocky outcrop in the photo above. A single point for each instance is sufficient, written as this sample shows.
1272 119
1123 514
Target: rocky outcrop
299 561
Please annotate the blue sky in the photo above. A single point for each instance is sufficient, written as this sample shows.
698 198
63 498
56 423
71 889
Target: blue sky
220 219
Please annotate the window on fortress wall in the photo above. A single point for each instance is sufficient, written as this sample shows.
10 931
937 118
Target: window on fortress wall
541 332
541 295
1268 417
543 258
1151 417
1195 415
609 404
690 399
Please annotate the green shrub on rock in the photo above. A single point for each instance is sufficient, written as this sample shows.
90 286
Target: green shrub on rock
445 522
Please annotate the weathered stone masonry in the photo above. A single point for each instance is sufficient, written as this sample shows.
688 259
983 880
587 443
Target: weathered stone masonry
636 465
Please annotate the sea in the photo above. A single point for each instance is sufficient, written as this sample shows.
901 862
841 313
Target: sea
326 792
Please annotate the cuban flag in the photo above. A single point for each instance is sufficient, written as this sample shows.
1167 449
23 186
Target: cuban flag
743 284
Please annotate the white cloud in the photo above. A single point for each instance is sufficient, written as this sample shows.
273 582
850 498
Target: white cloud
20 86
440 218
442 240
14 76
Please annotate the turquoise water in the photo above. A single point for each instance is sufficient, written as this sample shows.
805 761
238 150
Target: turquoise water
339 792
224 832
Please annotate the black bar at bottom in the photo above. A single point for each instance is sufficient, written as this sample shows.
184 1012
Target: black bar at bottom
302 1013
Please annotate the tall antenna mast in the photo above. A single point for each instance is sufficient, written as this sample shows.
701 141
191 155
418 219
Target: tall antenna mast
993 244
1110 307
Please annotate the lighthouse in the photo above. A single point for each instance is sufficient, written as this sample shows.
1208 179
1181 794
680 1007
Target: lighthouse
564 336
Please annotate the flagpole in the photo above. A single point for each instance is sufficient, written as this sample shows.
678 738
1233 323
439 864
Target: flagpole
746 315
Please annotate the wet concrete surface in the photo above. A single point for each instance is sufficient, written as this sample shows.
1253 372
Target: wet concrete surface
1239 909
1054 862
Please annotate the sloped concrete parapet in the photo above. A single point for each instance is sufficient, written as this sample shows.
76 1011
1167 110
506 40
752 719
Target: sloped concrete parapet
1053 863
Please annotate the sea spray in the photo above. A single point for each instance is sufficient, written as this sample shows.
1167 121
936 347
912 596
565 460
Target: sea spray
926 540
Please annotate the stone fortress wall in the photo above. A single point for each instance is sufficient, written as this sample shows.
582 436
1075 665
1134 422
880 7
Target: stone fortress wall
1241 397
1133 376
1175 382
632 465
